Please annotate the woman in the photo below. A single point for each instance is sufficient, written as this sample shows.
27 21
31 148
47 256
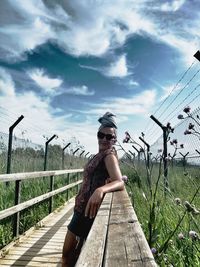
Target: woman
103 165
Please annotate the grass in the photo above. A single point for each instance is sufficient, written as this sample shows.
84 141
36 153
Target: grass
168 220
161 218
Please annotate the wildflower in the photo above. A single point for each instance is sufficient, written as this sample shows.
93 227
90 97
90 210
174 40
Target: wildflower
180 236
187 132
177 201
153 250
193 235
181 145
180 117
191 126
187 109
127 137
188 206
191 208
127 134
125 178
175 141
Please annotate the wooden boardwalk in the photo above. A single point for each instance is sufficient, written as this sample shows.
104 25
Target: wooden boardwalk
42 246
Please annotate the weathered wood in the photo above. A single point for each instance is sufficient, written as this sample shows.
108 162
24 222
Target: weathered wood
116 239
42 246
10 211
126 243
31 175
93 250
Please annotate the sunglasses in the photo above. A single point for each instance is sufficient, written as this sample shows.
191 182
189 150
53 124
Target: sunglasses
101 135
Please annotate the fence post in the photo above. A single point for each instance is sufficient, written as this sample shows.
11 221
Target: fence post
133 154
184 160
46 150
87 154
75 151
197 55
10 144
81 153
51 198
63 155
137 152
148 150
165 165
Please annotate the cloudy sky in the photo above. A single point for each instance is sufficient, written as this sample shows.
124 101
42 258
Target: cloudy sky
64 63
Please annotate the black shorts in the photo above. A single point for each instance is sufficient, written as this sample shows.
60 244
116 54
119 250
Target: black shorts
80 225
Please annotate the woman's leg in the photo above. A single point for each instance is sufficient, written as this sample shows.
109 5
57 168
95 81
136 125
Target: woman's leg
69 256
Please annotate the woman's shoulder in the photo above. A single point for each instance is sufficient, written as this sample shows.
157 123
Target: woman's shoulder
110 151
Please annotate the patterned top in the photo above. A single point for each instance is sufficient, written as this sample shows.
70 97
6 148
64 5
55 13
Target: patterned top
94 176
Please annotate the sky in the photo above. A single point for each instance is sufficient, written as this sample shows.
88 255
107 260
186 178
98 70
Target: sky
64 63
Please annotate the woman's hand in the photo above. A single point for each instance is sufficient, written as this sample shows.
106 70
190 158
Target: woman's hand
94 203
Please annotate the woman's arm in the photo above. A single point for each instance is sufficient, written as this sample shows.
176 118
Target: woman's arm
116 183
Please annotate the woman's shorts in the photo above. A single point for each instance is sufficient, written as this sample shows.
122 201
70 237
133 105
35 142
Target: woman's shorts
80 225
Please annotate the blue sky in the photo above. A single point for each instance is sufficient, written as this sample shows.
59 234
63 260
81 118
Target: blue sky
65 63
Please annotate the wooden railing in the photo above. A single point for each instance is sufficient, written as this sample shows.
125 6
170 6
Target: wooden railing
116 237
19 177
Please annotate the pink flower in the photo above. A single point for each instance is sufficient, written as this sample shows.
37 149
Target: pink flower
153 250
125 178
180 236
180 117
191 126
187 109
193 235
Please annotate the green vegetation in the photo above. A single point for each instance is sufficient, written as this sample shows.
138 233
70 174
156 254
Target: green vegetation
170 219
26 160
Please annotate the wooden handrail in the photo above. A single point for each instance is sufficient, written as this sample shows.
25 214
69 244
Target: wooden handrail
22 206
116 237
31 175
18 177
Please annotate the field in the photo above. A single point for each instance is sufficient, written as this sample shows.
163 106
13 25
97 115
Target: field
170 216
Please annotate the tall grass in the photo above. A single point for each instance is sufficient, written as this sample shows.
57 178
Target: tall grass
171 227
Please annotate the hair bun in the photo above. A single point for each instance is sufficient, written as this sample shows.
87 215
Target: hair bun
107 120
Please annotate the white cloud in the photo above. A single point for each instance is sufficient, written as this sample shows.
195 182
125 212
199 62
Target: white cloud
118 68
79 90
105 25
172 5
44 81
168 91
133 83
7 86
138 104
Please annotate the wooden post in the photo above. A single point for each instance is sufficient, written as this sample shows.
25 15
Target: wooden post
51 198
17 215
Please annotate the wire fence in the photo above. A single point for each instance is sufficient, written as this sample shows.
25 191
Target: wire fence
28 156
184 142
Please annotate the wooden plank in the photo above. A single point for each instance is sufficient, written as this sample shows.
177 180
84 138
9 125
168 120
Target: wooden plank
10 211
31 175
126 243
41 247
93 250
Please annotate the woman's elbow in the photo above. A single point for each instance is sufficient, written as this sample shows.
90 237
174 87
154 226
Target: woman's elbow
121 185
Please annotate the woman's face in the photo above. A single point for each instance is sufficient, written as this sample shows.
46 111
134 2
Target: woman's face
106 138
